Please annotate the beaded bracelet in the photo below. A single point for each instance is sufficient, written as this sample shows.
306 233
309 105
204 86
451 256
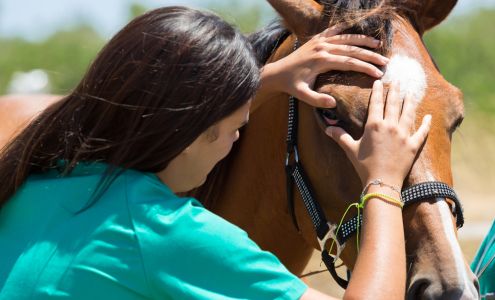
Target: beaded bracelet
383 197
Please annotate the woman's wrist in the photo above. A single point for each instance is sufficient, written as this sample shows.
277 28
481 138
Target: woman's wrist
270 78
390 183
387 185
270 85
385 178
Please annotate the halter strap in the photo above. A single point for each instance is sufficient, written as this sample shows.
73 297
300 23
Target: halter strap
419 193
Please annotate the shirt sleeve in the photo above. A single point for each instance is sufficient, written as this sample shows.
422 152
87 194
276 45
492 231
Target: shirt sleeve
483 261
190 253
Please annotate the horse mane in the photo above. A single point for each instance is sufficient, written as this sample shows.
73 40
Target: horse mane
267 40
372 18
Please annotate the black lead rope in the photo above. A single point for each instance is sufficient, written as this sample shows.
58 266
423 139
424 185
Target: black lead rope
326 231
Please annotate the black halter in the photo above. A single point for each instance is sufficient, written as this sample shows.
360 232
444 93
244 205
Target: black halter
327 231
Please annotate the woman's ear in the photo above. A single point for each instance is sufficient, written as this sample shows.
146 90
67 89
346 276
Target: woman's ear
303 17
212 133
426 13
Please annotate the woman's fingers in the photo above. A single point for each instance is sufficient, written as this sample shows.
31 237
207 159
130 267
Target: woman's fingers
354 40
343 139
408 112
375 109
313 98
393 105
356 52
333 31
345 63
419 136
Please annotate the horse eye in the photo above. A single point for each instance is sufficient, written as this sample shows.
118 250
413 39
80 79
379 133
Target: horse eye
330 114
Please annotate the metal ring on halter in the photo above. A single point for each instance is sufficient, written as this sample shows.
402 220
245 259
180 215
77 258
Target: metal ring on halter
288 155
331 235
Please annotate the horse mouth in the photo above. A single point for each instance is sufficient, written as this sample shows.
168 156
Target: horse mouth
327 116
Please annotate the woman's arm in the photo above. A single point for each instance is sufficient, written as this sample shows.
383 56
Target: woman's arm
386 151
296 73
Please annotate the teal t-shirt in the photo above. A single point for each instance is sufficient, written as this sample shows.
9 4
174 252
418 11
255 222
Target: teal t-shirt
137 241
484 265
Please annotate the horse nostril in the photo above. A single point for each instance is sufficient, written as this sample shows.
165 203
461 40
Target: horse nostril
417 289
432 290
476 285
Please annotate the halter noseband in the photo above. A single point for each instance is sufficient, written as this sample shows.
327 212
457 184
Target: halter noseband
327 231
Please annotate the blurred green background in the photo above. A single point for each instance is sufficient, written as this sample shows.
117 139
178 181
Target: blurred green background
463 47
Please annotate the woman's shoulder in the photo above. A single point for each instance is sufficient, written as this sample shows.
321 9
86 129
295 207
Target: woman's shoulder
156 205
155 208
160 216
182 244
145 188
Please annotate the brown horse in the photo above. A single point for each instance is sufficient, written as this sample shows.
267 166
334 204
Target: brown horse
249 188
17 111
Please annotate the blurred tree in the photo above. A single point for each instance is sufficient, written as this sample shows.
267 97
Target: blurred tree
137 10
463 50
245 15
462 47
65 56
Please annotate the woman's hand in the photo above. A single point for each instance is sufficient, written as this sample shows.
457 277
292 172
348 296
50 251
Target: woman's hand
327 51
389 144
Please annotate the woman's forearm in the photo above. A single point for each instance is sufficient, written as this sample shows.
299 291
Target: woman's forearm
269 86
380 269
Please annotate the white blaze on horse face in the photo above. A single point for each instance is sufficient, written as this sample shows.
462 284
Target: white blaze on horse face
409 73
460 265
463 279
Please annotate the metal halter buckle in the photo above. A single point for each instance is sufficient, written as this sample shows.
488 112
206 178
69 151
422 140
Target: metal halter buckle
331 235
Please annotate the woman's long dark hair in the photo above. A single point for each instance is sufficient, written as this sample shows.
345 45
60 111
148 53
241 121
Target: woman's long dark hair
157 85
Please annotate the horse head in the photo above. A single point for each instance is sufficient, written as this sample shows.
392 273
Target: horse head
436 266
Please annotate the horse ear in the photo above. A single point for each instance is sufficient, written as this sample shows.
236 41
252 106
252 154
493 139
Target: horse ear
427 13
303 17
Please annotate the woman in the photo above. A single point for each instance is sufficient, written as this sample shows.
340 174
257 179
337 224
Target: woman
89 205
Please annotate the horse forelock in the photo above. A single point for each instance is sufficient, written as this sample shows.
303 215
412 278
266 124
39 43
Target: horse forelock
371 17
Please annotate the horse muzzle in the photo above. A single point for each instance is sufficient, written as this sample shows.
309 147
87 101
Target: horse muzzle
437 268
427 286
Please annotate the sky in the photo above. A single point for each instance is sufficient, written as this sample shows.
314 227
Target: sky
37 19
